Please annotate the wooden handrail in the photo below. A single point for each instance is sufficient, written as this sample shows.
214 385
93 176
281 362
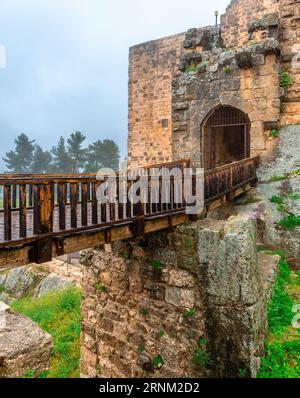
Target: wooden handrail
37 208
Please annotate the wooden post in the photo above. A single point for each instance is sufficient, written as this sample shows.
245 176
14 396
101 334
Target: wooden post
7 212
43 211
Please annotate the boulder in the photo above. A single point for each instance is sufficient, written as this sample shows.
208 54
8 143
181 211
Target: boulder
24 347
51 283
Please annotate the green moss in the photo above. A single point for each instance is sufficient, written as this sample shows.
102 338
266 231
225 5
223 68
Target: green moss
140 348
58 314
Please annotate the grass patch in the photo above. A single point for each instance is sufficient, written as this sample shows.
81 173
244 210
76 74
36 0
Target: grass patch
282 350
58 314
280 307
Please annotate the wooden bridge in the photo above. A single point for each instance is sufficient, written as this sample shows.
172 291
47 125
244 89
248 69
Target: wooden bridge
45 216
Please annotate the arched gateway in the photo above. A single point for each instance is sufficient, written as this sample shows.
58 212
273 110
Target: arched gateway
226 137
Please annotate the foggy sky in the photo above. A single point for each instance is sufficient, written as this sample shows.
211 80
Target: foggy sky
67 62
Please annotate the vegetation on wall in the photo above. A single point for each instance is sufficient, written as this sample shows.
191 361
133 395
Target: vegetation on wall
285 80
59 315
191 68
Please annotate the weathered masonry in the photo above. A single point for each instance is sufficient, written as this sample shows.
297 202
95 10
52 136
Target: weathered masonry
176 84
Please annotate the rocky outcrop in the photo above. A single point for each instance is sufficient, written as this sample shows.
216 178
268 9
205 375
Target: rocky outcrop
24 347
51 283
279 176
35 280
235 282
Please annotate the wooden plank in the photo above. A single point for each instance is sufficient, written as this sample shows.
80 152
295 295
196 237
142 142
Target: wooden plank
23 211
62 206
14 258
84 199
73 194
7 212
94 203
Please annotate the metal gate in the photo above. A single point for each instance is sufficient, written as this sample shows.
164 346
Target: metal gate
224 116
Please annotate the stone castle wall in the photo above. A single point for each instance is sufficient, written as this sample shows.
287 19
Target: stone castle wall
139 311
220 81
239 13
289 13
165 113
151 68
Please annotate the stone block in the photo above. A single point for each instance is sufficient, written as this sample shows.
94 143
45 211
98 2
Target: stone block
23 345
180 297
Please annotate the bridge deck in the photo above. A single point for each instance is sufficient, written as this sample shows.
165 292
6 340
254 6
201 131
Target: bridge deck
47 215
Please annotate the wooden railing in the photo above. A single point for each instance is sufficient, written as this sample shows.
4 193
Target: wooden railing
35 207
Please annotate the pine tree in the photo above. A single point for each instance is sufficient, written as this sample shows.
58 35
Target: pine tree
62 162
19 160
42 161
102 154
75 151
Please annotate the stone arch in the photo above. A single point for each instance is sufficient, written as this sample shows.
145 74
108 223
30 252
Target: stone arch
225 136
